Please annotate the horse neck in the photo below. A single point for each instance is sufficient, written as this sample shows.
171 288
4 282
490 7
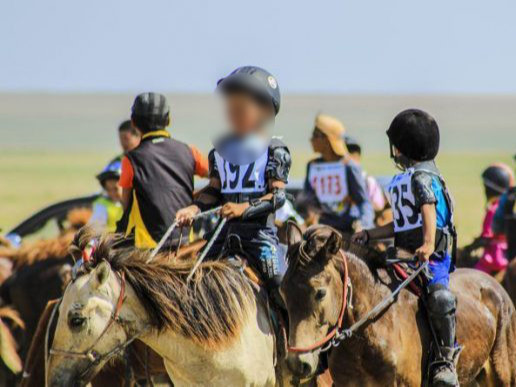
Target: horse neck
366 291
133 314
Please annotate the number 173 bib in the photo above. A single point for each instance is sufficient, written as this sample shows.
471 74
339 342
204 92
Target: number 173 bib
329 182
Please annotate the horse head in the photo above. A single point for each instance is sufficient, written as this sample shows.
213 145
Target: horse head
89 327
312 290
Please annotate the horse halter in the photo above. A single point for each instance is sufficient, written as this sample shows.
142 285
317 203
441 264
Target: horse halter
90 354
329 340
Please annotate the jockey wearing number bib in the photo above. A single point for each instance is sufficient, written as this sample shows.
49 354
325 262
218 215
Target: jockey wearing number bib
423 224
248 173
335 185
107 209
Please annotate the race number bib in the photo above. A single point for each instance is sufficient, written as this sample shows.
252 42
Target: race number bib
246 178
406 215
329 182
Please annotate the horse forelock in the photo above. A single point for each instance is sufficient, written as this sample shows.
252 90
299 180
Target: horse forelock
304 257
211 309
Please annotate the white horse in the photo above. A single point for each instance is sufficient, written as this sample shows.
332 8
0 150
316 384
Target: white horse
211 331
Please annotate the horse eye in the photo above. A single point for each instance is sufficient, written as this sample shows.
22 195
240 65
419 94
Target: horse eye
77 322
320 294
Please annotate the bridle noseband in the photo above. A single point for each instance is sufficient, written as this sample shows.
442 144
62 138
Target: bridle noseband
90 354
327 342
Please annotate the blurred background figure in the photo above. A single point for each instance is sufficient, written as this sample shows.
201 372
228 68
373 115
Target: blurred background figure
334 184
107 209
128 136
497 179
374 190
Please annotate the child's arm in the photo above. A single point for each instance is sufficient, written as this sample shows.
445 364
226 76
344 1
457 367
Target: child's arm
207 198
260 207
383 232
429 216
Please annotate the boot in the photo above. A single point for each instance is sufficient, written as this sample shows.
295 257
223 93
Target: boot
443 371
441 304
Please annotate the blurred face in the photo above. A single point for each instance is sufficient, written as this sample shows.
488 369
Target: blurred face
245 114
128 140
113 190
355 156
320 143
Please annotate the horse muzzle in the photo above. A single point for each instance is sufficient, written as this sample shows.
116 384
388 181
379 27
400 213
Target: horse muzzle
302 366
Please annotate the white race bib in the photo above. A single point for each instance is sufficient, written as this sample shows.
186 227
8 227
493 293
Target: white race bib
247 178
329 182
406 215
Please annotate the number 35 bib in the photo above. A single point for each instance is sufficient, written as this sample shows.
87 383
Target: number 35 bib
406 215
248 178
329 182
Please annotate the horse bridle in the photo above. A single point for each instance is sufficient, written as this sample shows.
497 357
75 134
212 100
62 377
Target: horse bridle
338 334
90 354
328 341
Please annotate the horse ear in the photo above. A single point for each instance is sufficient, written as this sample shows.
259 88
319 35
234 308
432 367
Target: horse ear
294 233
101 273
334 242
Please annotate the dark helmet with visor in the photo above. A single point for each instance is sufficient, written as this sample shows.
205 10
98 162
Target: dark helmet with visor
253 80
415 134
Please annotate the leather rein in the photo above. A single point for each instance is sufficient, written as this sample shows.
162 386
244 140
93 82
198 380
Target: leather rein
327 341
338 333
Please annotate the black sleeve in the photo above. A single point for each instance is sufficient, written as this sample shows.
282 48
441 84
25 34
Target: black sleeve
214 171
278 165
422 188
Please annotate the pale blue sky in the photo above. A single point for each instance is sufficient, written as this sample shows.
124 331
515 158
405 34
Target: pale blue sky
383 46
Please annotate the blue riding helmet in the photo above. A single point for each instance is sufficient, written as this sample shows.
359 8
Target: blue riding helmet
110 171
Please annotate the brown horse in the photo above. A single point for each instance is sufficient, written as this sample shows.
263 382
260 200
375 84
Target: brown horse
393 348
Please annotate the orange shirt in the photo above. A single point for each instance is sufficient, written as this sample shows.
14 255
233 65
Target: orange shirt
201 168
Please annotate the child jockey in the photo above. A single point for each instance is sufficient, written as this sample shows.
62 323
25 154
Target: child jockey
497 179
423 224
157 176
334 182
248 173
107 209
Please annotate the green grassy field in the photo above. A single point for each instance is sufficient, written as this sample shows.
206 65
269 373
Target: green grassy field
51 147
31 180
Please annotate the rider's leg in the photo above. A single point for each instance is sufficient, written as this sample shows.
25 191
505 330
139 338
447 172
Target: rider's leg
442 305
263 255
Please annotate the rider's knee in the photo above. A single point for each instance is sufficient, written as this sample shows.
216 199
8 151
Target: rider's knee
441 301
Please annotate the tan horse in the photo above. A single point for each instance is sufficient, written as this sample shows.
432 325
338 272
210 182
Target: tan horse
212 331
392 349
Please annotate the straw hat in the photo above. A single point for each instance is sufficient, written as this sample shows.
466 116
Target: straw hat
334 131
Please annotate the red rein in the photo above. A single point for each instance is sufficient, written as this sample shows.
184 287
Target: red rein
338 326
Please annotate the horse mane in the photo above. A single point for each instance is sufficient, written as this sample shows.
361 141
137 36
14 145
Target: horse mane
372 258
210 309
54 248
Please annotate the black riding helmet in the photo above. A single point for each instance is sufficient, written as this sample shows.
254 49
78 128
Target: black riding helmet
352 144
150 111
416 135
498 177
255 81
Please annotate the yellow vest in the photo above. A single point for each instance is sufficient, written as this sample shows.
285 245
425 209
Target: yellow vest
114 212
